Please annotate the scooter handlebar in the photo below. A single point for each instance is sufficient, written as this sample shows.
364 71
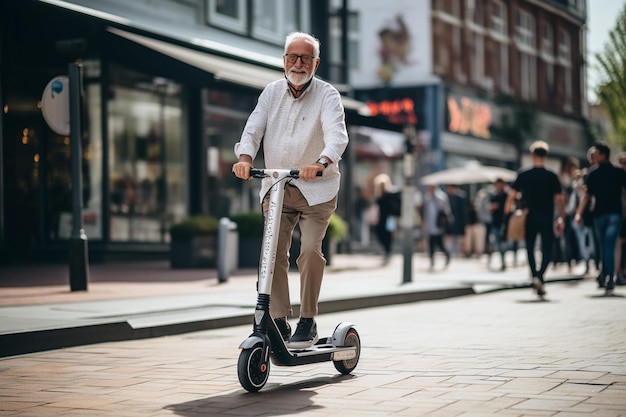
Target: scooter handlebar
261 173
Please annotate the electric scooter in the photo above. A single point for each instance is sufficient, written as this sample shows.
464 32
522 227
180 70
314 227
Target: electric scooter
266 344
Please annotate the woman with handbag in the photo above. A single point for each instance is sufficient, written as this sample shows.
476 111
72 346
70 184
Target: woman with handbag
386 224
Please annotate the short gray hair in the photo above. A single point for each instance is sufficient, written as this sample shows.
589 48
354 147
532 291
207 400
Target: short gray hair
302 35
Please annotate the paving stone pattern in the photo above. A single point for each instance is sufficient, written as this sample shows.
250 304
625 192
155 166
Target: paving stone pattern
495 354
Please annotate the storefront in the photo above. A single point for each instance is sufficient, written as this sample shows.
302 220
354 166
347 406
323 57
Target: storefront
401 108
160 120
568 138
469 134
500 134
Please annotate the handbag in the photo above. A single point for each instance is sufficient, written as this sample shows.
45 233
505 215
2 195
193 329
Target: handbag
516 225
372 214
443 222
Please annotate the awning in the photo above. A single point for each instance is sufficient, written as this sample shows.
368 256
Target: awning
226 69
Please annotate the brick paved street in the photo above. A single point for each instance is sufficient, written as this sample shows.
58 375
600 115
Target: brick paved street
501 353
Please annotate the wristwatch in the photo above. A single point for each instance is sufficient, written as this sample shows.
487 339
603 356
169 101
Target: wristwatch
323 161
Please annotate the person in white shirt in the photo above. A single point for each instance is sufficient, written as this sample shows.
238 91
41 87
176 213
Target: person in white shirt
300 121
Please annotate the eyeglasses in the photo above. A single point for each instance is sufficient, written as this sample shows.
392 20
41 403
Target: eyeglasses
293 58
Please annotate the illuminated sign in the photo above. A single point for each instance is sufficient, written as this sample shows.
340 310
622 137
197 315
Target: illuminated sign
400 111
469 117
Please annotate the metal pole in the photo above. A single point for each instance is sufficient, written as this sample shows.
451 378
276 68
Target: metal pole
79 269
345 66
3 240
408 205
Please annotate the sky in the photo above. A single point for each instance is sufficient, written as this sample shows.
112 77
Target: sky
601 18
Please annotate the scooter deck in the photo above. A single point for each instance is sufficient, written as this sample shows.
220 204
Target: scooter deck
322 351
338 352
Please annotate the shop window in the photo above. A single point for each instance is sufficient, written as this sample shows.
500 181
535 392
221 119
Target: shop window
225 115
148 182
59 178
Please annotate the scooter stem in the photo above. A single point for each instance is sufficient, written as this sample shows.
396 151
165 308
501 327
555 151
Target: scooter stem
272 228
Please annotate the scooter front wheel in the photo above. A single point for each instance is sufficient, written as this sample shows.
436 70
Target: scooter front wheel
252 369
348 365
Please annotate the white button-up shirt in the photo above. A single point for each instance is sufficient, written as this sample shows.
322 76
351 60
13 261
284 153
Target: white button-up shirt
295 132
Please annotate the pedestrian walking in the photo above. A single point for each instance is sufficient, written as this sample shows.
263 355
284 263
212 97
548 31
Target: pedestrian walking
605 182
582 231
482 201
458 206
361 227
566 244
541 190
388 208
436 218
300 122
473 242
620 249
597 258
497 202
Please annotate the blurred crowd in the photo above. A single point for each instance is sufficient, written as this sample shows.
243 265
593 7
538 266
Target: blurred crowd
450 223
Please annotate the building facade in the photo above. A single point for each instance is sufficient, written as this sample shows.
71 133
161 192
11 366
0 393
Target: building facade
524 61
497 74
168 86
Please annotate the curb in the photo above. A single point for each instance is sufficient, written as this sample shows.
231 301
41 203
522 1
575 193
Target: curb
43 340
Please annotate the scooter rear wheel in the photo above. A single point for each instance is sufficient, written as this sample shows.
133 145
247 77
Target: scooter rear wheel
348 365
252 370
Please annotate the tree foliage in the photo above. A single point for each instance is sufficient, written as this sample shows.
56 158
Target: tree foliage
611 90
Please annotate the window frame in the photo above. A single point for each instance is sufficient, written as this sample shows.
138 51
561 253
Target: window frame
525 34
565 48
498 20
237 25
245 23
276 35
354 23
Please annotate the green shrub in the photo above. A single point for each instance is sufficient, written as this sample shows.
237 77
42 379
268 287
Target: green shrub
194 226
337 228
249 224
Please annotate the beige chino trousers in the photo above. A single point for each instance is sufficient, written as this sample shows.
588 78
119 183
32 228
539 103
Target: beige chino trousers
313 221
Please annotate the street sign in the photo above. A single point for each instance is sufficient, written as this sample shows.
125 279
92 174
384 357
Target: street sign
55 105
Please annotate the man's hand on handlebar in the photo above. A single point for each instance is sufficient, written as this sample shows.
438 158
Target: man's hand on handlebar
310 172
242 170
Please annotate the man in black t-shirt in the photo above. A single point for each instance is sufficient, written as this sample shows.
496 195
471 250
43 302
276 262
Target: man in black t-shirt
541 191
605 182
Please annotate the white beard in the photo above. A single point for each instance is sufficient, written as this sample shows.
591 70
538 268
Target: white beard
298 79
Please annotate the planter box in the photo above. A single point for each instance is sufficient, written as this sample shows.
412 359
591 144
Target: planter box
249 251
196 252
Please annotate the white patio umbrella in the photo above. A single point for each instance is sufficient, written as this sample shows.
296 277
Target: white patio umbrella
472 173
